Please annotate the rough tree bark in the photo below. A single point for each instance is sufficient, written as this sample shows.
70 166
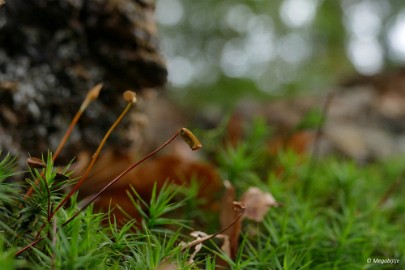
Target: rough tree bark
53 51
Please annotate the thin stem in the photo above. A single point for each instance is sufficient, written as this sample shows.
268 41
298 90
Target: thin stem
91 95
29 246
208 237
93 159
53 257
101 191
318 136
67 134
117 178
48 194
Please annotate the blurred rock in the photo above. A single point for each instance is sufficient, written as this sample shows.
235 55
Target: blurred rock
364 119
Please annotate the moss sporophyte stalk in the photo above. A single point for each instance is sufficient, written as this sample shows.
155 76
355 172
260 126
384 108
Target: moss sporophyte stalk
130 97
92 95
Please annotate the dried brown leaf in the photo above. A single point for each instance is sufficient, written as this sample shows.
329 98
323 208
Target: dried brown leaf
201 237
300 142
254 204
257 203
228 215
173 169
226 245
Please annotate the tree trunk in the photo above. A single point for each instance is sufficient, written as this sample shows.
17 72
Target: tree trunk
53 51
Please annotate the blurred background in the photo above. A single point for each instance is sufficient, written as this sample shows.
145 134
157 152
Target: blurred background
218 54
222 51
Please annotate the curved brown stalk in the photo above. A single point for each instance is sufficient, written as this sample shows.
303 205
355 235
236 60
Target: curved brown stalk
91 95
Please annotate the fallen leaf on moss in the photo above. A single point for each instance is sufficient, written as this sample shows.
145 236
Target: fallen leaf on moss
257 203
168 168
239 208
201 237
299 142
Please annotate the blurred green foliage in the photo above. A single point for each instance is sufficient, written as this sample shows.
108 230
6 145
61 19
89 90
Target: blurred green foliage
221 51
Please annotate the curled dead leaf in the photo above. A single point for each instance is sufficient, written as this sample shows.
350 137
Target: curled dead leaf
254 204
257 203
226 245
201 237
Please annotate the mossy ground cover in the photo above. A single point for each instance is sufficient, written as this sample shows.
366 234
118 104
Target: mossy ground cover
333 214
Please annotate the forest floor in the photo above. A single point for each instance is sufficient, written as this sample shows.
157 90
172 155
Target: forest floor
256 203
